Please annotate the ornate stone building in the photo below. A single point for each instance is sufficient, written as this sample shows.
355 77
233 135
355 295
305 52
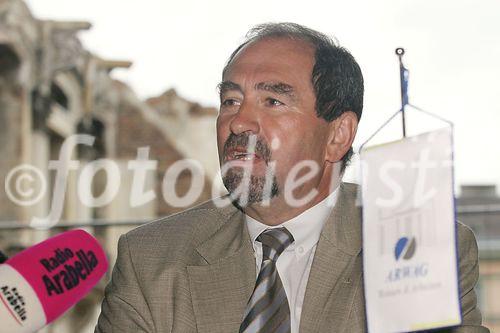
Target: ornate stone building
51 89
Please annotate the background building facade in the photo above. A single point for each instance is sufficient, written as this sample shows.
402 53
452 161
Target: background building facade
52 89
478 206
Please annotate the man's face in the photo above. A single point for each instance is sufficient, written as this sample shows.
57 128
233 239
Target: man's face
268 103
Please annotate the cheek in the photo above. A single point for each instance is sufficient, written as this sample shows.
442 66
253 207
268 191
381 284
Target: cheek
292 146
294 135
222 133
301 141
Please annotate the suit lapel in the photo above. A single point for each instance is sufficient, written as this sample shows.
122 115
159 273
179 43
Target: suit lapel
336 270
221 288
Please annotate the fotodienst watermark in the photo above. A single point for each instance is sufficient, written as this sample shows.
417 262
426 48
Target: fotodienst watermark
27 185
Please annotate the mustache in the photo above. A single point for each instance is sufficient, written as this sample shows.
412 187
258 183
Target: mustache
242 140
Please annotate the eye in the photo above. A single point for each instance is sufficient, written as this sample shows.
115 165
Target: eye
230 102
274 102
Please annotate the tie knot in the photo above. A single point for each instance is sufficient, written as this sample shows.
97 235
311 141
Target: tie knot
274 242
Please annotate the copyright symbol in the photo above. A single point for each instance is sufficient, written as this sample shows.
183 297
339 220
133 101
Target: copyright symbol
25 185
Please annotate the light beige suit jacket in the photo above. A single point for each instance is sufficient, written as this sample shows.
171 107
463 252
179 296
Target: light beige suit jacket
195 271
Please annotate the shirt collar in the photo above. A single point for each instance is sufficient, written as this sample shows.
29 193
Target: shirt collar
305 227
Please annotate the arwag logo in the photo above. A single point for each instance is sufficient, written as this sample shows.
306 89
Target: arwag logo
405 248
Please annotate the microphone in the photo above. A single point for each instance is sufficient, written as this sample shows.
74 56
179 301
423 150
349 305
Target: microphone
42 282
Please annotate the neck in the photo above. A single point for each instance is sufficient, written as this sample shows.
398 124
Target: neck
279 211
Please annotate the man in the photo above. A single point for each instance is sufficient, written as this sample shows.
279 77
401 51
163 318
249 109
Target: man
280 258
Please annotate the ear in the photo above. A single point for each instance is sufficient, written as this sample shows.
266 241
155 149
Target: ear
342 133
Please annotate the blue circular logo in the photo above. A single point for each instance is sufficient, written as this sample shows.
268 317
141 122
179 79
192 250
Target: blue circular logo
405 248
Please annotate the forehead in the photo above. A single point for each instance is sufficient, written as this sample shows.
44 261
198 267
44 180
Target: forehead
273 59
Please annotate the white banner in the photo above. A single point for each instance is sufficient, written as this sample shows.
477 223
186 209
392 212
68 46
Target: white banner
409 234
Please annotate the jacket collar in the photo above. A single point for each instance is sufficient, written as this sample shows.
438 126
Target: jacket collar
223 285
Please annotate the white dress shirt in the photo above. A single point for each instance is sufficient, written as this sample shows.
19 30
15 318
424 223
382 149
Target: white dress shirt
294 264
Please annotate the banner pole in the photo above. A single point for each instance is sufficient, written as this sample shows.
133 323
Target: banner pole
403 79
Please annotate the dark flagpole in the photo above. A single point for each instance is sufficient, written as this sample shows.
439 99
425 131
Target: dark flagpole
403 78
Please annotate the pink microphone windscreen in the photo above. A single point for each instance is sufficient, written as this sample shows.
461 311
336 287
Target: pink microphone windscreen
62 269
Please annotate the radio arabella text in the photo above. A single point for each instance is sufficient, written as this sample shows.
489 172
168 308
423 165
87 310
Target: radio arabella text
71 274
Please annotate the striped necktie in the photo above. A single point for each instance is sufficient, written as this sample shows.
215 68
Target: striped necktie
267 310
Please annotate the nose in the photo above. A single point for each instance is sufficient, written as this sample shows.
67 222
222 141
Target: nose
245 120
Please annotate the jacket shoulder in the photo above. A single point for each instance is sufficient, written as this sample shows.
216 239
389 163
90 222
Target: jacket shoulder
467 244
174 237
